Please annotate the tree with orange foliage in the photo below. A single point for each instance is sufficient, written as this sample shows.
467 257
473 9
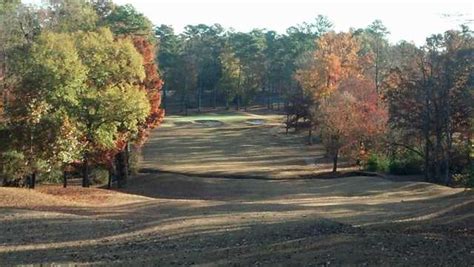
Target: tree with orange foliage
126 22
350 117
335 58
152 84
345 104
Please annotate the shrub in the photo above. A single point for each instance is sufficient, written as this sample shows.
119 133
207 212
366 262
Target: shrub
99 176
406 163
134 161
13 168
465 179
54 176
377 162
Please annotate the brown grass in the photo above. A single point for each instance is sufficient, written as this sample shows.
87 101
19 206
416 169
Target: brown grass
181 219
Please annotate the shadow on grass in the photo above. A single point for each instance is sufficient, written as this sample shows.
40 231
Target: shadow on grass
302 240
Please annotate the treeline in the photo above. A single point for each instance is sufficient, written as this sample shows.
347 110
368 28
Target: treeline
209 66
389 107
79 85
397 108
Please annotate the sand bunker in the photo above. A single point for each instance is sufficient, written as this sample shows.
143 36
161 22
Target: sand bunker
210 123
255 122
182 123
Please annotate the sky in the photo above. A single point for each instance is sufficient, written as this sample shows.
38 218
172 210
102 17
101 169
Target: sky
406 20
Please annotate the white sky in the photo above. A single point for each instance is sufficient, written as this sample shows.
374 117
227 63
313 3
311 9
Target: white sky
407 20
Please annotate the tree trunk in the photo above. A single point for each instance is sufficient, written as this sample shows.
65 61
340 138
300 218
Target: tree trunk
278 102
427 160
269 96
310 135
334 161
111 174
85 171
64 179
214 98
31 181
122 170
447 175
238 88
183 104
377 68
439 156
127 157
186 105
5 91
199 98
163 102
426 131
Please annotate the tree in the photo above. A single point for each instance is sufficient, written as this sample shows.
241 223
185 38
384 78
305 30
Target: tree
170 60
40 127
335 58
249 49
230 78
19 25
110 106
126 20
76 90
205 43
351 116
69 16
373 39
343 105
431 103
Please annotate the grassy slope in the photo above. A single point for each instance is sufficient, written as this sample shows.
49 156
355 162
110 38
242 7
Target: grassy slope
174 219
234 148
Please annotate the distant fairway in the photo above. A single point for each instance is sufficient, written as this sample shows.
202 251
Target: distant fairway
231 144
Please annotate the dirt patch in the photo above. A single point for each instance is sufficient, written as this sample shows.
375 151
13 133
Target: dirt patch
51 196
209 123
256 122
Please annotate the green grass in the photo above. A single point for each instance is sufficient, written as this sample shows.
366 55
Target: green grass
226 117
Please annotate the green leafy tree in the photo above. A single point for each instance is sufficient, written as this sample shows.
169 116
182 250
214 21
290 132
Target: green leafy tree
170 60
230 78
104 113
69 16
51 77
374 41
249 49
126 20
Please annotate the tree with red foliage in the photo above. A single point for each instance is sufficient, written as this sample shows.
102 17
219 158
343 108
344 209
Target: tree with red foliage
152 84
126 22
351 116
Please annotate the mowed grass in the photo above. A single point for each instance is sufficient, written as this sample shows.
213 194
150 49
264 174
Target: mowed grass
232 144
183 218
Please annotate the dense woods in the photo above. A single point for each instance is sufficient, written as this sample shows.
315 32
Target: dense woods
80 86
395 108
